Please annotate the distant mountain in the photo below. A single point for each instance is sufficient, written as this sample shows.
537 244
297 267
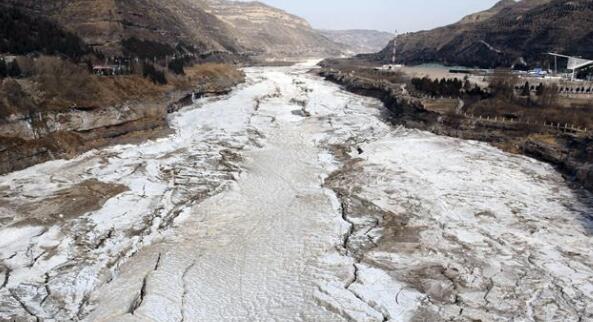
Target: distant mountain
508 33
209 27
359 41
267 31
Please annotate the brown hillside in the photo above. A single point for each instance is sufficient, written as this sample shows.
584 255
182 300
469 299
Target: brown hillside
503 35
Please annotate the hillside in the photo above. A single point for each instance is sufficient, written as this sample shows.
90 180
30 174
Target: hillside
487 14
359 41
270 32
21 34
105 67
107 25
208 27
53 101
502 35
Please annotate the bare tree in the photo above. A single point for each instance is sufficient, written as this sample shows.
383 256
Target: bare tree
549 95
502 84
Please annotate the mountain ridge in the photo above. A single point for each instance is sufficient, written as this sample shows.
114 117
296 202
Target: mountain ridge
271 32
216 27
358 41
106 24
507 34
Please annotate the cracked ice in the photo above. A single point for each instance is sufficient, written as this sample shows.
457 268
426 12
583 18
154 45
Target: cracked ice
290 199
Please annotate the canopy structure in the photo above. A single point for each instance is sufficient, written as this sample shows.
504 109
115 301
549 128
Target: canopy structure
574 63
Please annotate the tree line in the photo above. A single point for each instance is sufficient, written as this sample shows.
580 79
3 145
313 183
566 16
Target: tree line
451 87
23 34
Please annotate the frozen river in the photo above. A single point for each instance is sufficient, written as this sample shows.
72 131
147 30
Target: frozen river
292 200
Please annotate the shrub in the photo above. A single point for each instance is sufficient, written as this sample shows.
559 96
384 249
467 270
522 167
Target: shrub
548 95
176 66
14 100
14 70
539 89
3 69
146 49
155 75
526 91
502 85
64 83
11 69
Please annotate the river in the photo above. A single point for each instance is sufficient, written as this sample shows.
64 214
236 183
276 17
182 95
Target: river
290 199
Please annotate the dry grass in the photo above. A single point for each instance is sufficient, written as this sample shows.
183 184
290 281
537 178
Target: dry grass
56 85
213 75
510 146
13 98
443 106
545 138
577 116
211 70
63 84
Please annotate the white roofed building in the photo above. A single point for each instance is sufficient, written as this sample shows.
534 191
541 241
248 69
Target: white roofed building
576 65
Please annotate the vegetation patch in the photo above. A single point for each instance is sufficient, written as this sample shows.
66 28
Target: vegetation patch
146 49
23 34
155 75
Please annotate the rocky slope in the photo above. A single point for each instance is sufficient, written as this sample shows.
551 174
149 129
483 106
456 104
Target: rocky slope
39 122
359 41
503 35
211 27
266 31
106 25
58 109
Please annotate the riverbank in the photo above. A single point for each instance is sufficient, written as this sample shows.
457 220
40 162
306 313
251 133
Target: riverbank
129 109
569 151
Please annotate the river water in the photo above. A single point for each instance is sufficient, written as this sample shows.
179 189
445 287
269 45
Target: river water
292 200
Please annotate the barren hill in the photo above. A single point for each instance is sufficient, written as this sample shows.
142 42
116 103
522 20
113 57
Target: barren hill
216 27
267 31
359 41
503 35
106 25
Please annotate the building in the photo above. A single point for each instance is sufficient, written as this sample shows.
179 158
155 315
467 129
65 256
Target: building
105 70
8 59
579 68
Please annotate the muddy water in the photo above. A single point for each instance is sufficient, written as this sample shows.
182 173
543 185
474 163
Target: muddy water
290 199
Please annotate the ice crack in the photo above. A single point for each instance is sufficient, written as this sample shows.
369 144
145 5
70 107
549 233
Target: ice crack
24 306
158 262
7 272
47 290
185 290
355 252
138 302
